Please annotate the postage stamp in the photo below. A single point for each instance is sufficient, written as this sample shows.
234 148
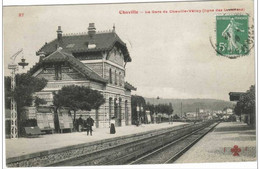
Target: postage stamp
232 35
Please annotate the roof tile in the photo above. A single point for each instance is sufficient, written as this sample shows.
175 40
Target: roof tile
129 86
61 56
79 43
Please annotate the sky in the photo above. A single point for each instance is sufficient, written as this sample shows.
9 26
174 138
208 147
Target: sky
171 52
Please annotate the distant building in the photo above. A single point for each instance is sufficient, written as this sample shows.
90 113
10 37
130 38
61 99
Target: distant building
219 112
229 111
201 114
191 115
93 59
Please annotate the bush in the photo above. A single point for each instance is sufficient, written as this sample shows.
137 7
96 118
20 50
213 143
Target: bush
232 118
27 123
7 128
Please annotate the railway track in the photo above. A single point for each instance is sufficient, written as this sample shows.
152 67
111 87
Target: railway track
155 149
172 151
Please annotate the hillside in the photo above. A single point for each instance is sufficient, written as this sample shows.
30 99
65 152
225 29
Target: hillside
190 105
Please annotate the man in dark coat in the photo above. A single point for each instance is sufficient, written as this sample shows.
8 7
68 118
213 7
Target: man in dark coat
89 123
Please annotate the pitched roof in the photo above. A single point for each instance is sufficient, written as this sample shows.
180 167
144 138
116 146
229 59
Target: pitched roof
236 93
235 96
79 43
129 86
61 56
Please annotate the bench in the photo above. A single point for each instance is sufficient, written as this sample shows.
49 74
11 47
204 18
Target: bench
33 131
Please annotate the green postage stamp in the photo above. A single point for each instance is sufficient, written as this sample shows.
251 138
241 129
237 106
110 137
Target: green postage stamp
232 35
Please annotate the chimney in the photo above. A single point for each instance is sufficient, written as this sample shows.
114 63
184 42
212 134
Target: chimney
59 34
42 55
91 29
91 33
114 28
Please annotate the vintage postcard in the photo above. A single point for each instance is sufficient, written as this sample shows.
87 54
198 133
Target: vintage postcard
129 84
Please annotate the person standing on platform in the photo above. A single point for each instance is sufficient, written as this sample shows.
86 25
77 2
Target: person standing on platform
89 124
171 120
112 126
80 123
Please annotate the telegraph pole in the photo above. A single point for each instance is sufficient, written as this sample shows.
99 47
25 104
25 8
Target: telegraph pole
13 67
14 129
197 114
181 109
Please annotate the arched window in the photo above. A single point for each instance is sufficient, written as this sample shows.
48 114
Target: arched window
115 108
126 113
119 77
119 111
110 75
115 78
110 108
58 75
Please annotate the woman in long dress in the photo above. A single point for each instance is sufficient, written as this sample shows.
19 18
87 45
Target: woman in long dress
112 126
230 34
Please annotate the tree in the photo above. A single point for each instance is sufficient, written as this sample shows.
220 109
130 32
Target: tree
164 108
151 108
176 116
26 86
246 105
137 101
160 108
38 101
77 98
171 110
238 108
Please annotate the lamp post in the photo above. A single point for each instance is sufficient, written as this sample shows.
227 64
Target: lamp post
14 67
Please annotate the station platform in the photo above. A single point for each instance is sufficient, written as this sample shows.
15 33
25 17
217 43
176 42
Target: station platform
218 145
24 146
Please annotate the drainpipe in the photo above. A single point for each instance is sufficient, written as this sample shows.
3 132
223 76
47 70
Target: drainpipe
103 64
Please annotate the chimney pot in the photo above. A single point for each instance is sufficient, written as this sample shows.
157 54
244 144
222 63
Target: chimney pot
59 34
114 28
91 29
91 24
41 55
59 30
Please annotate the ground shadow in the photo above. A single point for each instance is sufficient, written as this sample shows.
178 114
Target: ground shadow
234 128
245 132
249 152
241 138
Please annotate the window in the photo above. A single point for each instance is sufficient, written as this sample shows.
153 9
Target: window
126 113
120 80
58 72
110 108
110 75
70 45
115 108
115 78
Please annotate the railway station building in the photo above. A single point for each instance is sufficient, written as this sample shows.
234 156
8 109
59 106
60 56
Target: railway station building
92 59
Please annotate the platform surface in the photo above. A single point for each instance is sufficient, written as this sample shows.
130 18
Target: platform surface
23 146
216 146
